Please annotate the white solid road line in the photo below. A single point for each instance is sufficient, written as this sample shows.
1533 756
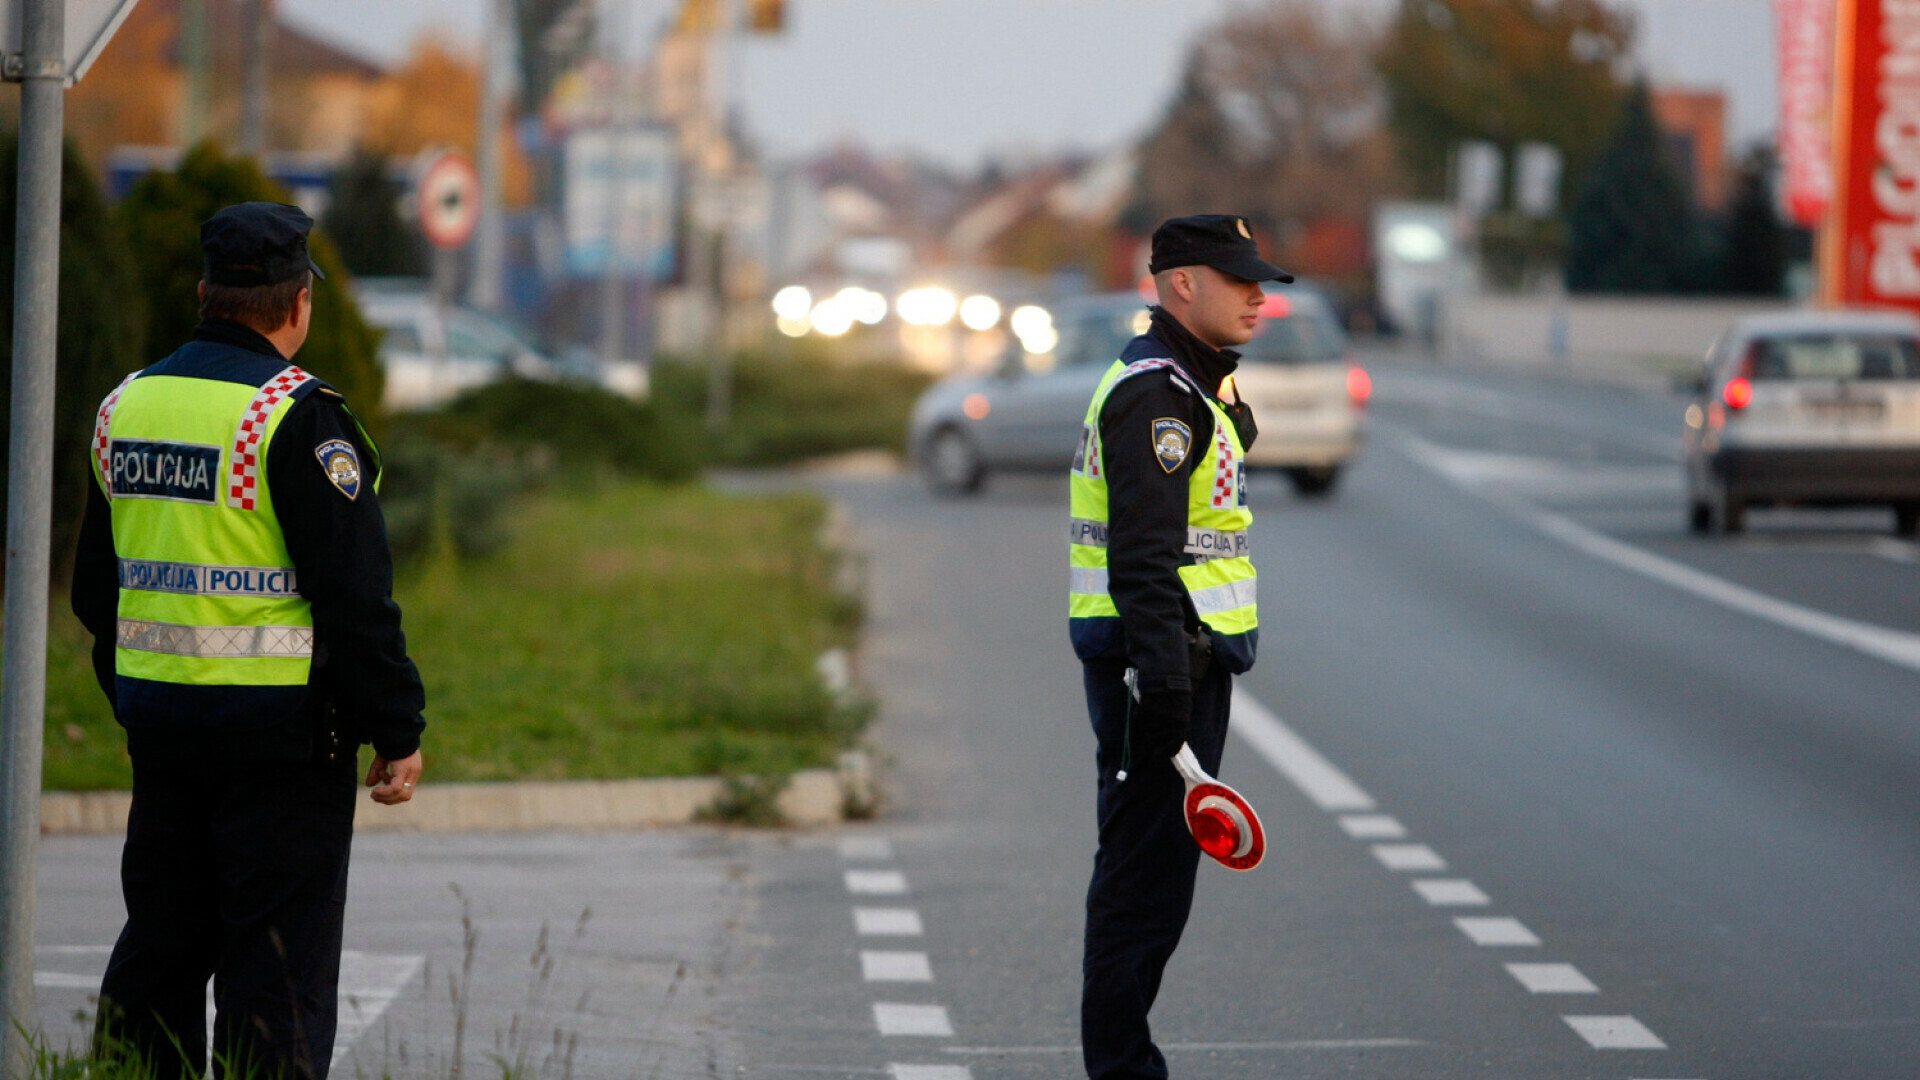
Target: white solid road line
1552 979
895 1019
1496 931
881 966
876 882
1614 1033
1327 786
1372 827
887 922
930 1072
1408 857
1450 892
866 847
1199 1047
1894 646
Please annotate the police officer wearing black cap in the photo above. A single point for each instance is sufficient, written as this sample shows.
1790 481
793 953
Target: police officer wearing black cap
234 571
1163 610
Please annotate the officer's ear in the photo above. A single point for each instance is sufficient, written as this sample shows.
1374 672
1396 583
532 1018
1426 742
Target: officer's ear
201 292
302 309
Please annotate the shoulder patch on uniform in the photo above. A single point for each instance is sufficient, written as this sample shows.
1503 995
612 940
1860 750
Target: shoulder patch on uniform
342 465
1172 439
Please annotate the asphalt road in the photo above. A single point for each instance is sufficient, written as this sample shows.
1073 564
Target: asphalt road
1677 774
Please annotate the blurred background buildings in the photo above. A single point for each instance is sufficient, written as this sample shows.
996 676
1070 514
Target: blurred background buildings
1515 148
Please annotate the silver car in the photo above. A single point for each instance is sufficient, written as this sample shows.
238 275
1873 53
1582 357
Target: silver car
1307 395
1818 408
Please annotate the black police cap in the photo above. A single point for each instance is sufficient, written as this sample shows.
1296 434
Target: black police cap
257 243
1221 241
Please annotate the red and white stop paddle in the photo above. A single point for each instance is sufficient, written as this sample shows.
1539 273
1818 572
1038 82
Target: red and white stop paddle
1222 822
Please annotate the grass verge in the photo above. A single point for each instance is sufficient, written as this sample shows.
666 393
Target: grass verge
627 630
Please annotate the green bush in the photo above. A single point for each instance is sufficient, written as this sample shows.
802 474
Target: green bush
100 339
578 428
161 218
789 409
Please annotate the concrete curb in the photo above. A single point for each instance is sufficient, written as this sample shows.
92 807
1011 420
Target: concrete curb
812 797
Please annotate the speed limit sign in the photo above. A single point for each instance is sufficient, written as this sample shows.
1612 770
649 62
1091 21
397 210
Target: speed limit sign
449 192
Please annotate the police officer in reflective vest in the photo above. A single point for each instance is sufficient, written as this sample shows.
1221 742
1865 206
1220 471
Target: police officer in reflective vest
1162 606
234 571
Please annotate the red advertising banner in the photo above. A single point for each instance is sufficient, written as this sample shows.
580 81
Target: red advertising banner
1870 250
1805 34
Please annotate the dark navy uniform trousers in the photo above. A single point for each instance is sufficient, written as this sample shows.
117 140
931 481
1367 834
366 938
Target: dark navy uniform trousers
1143 875
234 871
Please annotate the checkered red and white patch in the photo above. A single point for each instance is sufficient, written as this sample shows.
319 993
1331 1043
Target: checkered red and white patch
243 475
1226 470
102 441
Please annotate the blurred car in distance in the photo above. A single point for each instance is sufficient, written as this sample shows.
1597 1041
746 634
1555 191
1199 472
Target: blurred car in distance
1307 395
1814 408
433 352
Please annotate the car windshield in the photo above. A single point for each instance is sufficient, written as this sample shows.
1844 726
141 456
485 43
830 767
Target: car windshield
1836 356
1295 328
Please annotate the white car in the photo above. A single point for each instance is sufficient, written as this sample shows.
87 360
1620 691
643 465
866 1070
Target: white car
1308 396
1818 408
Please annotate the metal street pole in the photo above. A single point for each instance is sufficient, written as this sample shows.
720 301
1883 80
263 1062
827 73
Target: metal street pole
489 242
23 694
253 98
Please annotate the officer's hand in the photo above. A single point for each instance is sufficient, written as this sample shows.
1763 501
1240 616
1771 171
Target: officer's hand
393 781
1160 722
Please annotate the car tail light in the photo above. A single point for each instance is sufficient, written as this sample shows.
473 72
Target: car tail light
1359 386
1738 393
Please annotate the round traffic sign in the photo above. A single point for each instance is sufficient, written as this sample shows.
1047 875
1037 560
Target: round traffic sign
449 193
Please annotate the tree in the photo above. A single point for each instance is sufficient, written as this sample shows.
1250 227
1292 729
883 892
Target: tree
1506 71
363 219
101 337
1755 262
1632 230
161 218
433 99
1277 117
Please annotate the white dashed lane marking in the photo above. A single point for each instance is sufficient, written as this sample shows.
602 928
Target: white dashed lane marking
1614 1033
1552 979
879 966
930 1072
866 847
895 1019
876 882
1408 857
887 922
1372 827
1450 892
1496 931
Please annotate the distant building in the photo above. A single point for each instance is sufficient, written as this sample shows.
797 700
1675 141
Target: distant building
140 93
1695 125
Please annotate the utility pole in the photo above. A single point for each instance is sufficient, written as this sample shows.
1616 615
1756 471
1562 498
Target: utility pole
253 100
23 680
490 241
199 64
613 312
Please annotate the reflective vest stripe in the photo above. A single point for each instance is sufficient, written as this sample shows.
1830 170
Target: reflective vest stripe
243 480
1201 543
1087 580
1217 599
102 444
223 642
197 579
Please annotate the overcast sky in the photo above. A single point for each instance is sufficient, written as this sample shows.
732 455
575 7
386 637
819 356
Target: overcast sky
956 80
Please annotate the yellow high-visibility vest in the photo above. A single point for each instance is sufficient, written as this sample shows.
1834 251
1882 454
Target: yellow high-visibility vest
1216 567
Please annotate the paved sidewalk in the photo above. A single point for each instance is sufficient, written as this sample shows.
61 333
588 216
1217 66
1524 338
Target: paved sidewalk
642 933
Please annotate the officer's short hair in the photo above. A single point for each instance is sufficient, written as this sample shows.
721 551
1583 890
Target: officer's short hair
265 308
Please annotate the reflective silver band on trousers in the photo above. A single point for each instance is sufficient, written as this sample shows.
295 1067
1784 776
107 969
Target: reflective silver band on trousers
1204 543
215 641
